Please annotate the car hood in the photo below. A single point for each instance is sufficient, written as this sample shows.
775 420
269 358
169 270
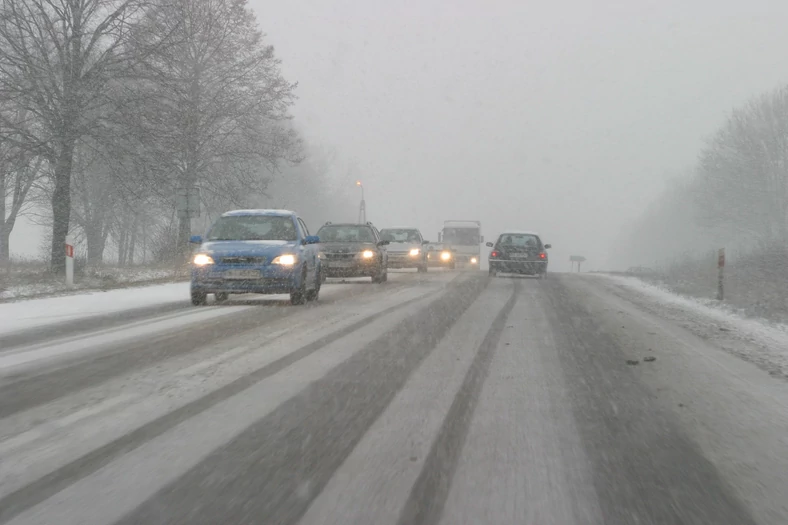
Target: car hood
346 247
403 247
248 248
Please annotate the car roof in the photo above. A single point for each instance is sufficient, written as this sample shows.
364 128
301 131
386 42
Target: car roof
262 212
461 224
347 224
401 228
518 232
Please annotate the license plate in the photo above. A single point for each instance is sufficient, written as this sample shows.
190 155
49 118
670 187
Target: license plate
519 256
341 264
242 274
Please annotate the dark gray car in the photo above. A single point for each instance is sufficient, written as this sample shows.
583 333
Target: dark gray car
353 250
518 252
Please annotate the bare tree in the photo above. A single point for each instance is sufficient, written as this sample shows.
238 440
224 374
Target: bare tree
744 172
57 58
212 105
18 173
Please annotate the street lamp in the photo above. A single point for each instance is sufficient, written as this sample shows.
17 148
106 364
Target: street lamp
362 208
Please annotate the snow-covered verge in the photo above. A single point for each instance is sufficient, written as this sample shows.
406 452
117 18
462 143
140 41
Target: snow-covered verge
25 315
30 280
756 282
760 341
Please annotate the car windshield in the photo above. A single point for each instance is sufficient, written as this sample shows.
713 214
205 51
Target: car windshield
346 233
253 228
519 240
463 236
400 235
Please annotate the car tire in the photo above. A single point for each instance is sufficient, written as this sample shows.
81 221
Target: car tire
312 295
380 277
298 296
199 298
493 273
423 269
221 297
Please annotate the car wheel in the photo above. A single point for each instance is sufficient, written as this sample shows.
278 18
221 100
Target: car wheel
423 269
493 273
221 297
199 298
298 296
313 294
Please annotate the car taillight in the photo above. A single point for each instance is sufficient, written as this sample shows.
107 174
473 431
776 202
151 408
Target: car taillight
494 254
542 255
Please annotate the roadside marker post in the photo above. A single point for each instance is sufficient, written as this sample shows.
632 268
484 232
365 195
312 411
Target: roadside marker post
69 265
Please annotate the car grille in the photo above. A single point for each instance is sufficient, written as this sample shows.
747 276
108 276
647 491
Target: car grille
243 260
339 256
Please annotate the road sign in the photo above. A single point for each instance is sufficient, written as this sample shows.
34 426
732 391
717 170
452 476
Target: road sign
579 259
187 202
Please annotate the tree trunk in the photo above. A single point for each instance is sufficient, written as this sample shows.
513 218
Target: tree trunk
96 244
122 241
5 231
61 203
5 245
132 241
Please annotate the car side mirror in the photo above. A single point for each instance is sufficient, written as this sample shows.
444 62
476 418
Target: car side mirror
384 243
312 239
548 246
489 245
195 239
424 243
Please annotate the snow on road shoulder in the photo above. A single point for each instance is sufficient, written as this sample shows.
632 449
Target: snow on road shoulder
25 315
758 341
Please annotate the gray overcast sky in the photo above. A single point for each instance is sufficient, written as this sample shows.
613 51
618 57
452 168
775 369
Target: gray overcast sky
561 116
564 116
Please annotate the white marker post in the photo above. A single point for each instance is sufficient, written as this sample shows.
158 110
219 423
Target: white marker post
69 265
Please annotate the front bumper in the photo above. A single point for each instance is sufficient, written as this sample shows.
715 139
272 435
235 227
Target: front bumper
351 268
272 280
405 260
514 266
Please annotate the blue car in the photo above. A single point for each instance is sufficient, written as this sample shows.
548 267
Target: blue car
256 251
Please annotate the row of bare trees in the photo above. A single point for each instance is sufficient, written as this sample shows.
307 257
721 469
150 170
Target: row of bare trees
108 107
736 196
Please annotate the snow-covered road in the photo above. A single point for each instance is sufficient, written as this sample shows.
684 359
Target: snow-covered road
444 398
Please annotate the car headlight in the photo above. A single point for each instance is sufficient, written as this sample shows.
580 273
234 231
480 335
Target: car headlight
367 254
446 256
474 260
285 260
202 259
414 252
321 255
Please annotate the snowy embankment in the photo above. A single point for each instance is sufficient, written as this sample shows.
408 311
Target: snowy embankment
760 341
23 282
26 315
